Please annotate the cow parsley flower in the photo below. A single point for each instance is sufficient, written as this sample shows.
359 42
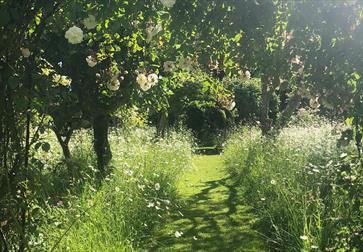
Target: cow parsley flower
157 186
168 3
91 61
90 22
178 234
74 35
304 237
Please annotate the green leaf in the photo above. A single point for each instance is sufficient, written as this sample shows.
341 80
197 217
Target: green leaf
4 17
13 82
46 147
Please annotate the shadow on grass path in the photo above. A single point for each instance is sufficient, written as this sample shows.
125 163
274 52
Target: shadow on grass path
213 217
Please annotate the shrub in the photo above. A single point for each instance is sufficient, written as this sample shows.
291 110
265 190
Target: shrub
248 99
293 181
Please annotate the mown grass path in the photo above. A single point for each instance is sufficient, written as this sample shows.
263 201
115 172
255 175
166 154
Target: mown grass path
213 217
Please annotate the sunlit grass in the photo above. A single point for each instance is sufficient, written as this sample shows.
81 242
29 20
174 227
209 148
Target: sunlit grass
289 180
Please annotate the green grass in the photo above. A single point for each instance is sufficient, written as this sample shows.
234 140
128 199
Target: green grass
212 217
132 201
298 186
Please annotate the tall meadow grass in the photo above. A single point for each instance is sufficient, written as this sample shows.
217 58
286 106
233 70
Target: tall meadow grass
132 201
291 180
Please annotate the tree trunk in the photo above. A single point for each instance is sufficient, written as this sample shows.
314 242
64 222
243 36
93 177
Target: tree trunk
162 123
292 105
101 144
265 105
64 143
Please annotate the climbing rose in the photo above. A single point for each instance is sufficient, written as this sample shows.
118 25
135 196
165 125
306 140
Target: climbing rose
142 80
25 52
169 66
152 79
74 35
91 61
114 85
231 106
62 80
248 75
168 3
90 22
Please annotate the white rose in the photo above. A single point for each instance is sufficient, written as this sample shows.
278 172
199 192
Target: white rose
74 35
91 61
141 79
90 22
114 85
169 66
231 106
62 80
248 75
168 3
152 79
25 52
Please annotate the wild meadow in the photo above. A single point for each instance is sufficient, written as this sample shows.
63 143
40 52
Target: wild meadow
181 125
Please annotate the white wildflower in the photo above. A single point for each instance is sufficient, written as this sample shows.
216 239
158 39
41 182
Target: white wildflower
151 204
178 234
273 182
25 52
157 186
168 3
74 35
128 172
90 22
304 237
91 61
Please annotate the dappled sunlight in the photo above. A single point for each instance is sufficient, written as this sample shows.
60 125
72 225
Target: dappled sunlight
213 216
